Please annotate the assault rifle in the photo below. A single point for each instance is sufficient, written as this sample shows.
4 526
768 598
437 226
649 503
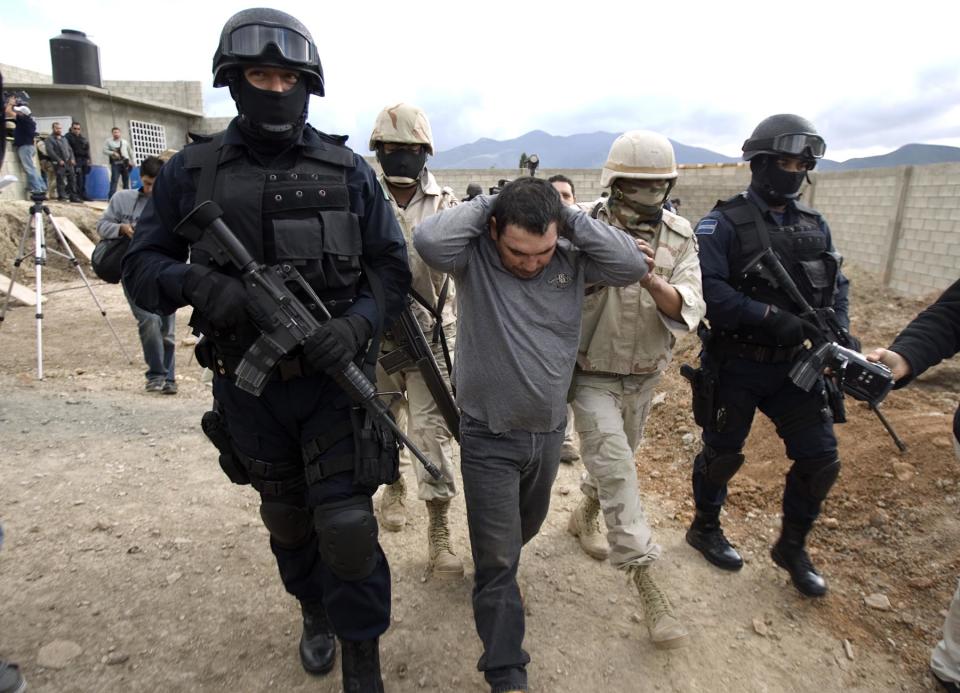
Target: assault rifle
414 350
289 322
832 348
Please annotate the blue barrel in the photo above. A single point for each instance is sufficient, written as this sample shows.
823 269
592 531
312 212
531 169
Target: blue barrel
135 181
98 182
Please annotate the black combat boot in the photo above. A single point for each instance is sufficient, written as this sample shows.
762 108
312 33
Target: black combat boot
789 553
318 647
360 660
706 537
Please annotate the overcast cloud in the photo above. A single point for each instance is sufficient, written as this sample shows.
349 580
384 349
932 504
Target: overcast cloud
871 76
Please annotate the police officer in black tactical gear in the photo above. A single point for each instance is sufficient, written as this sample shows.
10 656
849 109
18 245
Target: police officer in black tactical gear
292 195
754 337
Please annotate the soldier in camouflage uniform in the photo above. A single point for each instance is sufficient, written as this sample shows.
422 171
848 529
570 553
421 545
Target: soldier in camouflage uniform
626 342
402 140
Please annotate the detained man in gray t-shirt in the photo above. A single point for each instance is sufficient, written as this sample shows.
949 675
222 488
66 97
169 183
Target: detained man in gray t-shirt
520 261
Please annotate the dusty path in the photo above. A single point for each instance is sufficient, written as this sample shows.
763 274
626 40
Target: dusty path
124 538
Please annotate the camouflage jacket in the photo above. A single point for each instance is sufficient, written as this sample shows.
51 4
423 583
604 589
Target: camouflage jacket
429 199
623 331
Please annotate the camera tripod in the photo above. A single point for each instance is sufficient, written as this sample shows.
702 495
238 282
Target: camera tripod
37 213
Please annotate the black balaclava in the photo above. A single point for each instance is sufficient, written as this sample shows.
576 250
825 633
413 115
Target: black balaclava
268 116
402 167
774 185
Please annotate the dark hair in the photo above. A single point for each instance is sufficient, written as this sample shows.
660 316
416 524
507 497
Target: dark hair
530 203
560 178
114 128
150 166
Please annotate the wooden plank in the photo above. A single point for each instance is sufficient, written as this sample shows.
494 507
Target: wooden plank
75 236
19 292
98 205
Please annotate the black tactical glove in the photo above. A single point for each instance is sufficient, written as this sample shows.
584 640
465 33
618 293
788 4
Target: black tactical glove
336 343
221 299
855 343
786 328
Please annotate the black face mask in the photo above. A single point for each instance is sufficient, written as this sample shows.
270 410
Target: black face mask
772 183
273 115
403 166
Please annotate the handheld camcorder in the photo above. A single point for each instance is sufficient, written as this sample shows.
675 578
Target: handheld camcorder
861 379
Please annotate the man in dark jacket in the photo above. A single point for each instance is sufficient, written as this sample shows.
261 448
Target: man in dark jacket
64 162
933 335
81 155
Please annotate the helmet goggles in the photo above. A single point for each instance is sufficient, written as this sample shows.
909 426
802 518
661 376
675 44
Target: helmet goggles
252 41
794 144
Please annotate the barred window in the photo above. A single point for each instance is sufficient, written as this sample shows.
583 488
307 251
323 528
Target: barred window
147 139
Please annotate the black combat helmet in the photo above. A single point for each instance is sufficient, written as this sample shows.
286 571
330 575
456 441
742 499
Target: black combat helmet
787 135
262 36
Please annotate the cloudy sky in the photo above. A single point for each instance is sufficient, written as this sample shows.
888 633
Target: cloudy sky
872 76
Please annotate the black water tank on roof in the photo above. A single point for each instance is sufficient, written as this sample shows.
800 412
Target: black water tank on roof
75 58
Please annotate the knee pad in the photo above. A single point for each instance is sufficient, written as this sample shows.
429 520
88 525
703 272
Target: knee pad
288 525
816 475
719 467
348 537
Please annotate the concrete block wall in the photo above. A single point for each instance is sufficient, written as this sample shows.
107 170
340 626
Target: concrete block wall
860 208
928 247
19 75
178 94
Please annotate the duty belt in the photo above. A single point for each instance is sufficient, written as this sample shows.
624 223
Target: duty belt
761 353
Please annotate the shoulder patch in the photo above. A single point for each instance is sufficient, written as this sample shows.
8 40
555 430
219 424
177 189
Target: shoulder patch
706 227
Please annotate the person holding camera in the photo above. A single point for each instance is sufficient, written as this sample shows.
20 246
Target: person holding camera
521 261
754 338
931 337
120 157
156 331
24 134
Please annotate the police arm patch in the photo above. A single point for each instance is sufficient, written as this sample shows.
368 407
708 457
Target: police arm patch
706 227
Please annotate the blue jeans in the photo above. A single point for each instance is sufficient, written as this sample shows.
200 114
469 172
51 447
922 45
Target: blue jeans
118 171
26 154
157 340
507 479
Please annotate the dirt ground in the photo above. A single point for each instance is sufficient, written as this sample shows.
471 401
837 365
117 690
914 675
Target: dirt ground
132 564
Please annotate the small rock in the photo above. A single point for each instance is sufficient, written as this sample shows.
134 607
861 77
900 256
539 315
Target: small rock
904 471
920 583
134 549
401 670
879 519
636 618
687 438
760 628
577 590
57 654
115 658
144 432
830 523
173 577
563 490
422 681
939 441
877 601
848 649
658 398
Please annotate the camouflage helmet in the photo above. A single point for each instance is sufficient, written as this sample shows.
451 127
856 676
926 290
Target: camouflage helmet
639 154
404 124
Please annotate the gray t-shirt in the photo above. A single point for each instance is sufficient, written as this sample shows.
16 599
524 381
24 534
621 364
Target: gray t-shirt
517 338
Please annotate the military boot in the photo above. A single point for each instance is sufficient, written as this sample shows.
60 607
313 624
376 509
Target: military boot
318 647
442 561
585 525
360 662
393 508
706 537
666 631
789 553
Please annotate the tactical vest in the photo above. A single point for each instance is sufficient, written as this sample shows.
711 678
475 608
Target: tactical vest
300 214
802 247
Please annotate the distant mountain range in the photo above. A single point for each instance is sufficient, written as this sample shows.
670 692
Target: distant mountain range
590 151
